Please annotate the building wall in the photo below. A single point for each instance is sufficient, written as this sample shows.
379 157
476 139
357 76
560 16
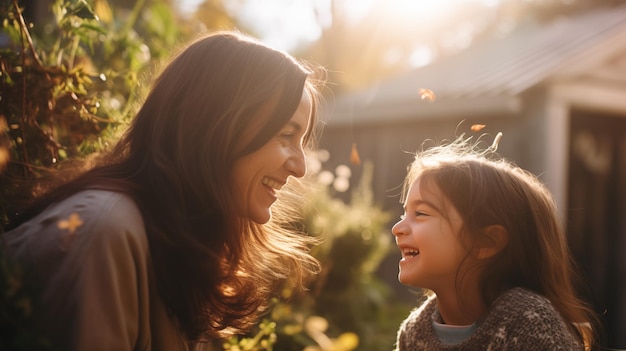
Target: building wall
390 146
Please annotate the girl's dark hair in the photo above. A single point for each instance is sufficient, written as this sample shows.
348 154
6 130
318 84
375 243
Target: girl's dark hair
214 269
487 190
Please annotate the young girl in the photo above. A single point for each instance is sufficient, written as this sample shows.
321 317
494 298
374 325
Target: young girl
483 236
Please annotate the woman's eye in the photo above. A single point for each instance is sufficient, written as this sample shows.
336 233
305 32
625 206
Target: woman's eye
419 213
286 135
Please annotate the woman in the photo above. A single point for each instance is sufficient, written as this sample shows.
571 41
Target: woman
167 243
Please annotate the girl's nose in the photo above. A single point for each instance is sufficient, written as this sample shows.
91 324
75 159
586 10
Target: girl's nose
398 228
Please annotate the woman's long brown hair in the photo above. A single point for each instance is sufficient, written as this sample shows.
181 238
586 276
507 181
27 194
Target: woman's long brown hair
214 269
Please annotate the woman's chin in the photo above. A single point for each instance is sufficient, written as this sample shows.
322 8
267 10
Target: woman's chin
262 217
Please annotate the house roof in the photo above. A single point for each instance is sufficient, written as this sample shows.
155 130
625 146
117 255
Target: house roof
490 75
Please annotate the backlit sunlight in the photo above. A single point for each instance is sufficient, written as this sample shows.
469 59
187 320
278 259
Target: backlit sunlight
422 10
288 24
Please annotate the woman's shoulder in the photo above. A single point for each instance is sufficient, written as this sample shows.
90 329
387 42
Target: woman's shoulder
105 209
87 218
103 217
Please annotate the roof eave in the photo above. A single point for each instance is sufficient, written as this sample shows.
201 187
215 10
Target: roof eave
401 111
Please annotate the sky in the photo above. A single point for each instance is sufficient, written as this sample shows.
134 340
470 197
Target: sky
285 24
281 23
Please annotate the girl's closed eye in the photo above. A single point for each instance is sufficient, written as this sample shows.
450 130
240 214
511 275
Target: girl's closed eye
416 214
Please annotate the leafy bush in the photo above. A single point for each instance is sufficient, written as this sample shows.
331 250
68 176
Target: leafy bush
69 86
346 306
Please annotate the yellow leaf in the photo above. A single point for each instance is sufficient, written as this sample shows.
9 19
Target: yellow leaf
71 224
347 342
103 11
5 143
4 157
316 324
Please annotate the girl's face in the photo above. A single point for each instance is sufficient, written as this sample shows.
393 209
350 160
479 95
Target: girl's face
257 176
428 238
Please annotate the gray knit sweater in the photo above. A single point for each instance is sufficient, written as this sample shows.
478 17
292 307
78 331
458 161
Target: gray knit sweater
517 320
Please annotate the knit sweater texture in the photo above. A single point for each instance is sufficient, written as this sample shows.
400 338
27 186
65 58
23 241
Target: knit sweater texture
518 320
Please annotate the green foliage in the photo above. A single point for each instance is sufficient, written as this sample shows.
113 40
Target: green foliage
347 292
69 86
346 307
18 309
263 340
355 243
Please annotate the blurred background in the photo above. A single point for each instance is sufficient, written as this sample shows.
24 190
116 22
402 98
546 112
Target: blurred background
549 74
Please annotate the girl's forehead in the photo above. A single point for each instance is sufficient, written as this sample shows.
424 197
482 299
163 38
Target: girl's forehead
424 190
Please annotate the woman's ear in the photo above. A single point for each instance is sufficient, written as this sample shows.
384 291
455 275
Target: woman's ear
494 239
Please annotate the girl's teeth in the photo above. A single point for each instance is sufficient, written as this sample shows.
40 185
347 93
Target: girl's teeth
410 252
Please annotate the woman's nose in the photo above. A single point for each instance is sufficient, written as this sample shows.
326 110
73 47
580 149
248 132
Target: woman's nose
296 164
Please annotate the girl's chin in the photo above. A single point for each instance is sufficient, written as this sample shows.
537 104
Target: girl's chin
408 280
404 280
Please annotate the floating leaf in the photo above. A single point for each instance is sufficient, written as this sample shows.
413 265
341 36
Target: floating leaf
477 127
427 94
355 159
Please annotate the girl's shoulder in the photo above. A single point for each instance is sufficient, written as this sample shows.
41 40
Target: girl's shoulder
523 305
523 316
523 300
519 295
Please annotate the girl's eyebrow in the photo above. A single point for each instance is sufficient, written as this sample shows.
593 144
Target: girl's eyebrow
418 202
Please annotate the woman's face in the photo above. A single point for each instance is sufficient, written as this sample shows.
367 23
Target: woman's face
259 175
428 238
